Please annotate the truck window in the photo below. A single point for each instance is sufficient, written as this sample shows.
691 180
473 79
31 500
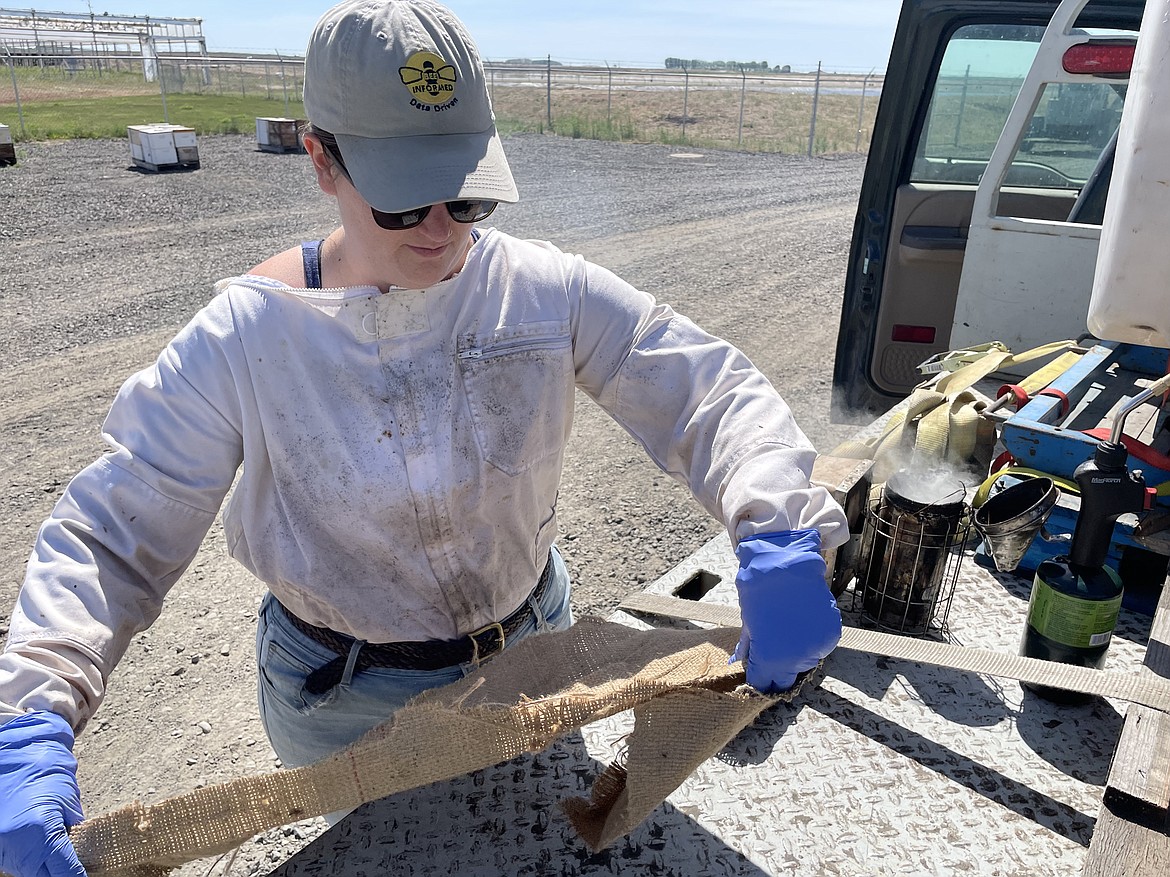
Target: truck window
980 75
1073 122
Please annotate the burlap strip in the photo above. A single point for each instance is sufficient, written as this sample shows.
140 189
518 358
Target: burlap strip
678 682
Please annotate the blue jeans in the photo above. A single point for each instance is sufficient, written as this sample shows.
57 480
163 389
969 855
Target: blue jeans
304 728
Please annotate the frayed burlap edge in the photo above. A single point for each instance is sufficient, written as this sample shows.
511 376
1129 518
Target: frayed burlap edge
678 682
662 752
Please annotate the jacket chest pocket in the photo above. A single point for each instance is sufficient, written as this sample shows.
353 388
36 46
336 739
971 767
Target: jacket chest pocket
519 387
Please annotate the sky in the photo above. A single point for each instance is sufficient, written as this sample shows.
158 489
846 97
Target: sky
843 35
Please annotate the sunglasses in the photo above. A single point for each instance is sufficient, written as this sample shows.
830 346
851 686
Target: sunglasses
466 210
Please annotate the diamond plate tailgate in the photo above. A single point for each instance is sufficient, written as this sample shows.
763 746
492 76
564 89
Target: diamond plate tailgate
887 768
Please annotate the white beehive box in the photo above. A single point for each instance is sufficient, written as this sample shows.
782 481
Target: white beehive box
159 146
7 148
274 134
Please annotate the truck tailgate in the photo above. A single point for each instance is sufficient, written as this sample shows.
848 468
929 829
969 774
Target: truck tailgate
887 767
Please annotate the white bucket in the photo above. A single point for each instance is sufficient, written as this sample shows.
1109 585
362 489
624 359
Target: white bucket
1131 295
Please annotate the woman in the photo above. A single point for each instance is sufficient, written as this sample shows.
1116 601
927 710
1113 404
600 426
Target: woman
392 405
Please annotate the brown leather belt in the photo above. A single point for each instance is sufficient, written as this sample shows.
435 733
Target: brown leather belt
475 647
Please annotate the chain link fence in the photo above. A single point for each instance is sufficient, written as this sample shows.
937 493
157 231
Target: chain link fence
50 95
813 113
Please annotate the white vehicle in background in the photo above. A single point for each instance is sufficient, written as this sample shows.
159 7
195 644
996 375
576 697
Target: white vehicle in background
940 262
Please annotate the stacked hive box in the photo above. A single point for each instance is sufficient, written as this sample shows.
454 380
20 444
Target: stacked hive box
155 147
7 149
278 134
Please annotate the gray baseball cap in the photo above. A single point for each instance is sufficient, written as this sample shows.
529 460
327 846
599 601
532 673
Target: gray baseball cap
401 86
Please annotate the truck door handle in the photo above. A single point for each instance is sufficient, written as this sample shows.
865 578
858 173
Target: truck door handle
934 237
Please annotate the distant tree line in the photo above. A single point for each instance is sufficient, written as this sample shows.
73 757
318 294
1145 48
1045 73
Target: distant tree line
757 66
529 62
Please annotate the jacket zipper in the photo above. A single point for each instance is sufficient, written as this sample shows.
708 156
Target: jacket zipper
511 347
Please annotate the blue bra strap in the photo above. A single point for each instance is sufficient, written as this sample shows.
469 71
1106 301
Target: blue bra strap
311 257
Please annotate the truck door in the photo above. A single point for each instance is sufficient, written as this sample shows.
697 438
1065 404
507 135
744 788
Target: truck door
956 69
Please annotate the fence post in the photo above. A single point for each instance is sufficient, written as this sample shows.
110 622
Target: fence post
162 88
962 104
205 66
742 96
686 95
283 84
812 130
608 95
861 111
548 91
97 59
37 41
16 91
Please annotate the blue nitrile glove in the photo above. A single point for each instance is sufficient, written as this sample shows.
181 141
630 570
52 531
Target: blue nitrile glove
790 619
39 798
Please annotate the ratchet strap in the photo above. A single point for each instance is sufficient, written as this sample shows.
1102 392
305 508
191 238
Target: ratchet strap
1141 687
941 419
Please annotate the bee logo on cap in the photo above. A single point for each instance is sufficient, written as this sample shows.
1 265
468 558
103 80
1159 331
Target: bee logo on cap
429 78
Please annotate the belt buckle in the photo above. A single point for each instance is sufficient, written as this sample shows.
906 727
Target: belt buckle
478 655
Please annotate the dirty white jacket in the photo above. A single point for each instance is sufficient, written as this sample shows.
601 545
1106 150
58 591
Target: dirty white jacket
403 453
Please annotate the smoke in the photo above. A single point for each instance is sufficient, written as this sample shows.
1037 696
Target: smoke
923 475
927 487
925 478
845 416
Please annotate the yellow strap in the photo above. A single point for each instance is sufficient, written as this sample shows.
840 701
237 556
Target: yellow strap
1046 374
968 375
921 402
963 427
941 421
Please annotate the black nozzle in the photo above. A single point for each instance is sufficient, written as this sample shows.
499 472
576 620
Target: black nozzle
1108 490
1110 457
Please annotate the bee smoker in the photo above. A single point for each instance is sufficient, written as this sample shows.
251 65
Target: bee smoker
910 539
1076 598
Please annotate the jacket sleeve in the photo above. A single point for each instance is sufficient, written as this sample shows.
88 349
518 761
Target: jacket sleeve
126 527
701 410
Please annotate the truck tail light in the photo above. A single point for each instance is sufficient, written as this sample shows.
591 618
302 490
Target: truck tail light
913 334
1100 59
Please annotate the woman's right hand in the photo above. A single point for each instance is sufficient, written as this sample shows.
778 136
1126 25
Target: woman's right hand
39 798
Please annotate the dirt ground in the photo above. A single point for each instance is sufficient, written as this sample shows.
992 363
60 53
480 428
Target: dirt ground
102 263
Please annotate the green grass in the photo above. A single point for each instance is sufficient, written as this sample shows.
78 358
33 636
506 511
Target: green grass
223 100
107 117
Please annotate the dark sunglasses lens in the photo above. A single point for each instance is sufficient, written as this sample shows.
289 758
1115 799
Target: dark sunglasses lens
461 211
470 211
401 221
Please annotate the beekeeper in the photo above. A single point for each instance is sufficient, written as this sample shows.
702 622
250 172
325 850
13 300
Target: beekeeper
396 400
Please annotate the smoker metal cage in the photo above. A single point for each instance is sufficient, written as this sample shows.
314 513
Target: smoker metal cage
909 562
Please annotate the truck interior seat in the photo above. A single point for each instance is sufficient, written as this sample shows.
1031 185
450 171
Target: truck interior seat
1089 207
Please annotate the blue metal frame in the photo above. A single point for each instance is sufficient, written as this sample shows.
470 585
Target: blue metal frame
1036 435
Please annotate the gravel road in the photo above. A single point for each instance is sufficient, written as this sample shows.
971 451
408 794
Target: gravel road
102 263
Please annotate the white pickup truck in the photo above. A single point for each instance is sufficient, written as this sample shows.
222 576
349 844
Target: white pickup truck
940 262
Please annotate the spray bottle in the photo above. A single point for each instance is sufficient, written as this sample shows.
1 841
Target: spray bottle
1076 598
